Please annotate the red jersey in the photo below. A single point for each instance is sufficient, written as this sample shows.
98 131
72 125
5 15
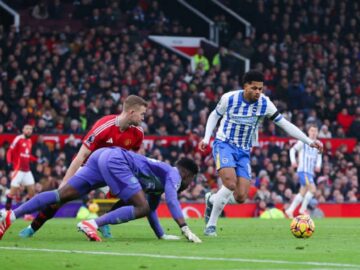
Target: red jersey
19 153
106 132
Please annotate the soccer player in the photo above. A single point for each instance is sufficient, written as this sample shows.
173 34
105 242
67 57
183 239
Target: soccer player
112 130
241 111
18 158
309 161
128 175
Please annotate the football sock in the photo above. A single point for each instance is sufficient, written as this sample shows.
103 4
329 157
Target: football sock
37 202
118 204
8 202
232 199
297 200
308 196
44 215
220 199
120 215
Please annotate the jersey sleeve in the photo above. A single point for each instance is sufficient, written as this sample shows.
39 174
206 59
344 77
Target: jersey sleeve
221 106
140 138
153 218
318 160
271 111
172 185
294 149
92 139
11 153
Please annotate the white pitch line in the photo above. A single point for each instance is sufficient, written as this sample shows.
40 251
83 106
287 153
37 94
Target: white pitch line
149 255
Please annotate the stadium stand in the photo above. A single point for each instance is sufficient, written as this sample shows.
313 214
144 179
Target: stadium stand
62 80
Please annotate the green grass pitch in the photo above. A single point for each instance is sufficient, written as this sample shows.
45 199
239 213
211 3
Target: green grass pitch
241 244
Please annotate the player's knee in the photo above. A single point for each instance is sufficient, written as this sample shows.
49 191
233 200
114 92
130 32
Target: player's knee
230 183
143 210
240 198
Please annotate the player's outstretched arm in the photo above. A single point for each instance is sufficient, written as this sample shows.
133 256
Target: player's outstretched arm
295 132
210 125
84 152
154 219
175 210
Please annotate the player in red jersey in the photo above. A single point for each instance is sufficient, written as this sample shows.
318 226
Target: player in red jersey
18 158
112 130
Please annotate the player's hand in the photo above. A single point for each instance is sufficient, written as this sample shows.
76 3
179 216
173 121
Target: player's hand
190 235
318 145
170 237
203 145
294 165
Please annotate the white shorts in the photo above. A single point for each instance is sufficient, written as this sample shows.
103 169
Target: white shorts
22 178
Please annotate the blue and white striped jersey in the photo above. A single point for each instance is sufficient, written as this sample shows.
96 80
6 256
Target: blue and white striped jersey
240 119
308 158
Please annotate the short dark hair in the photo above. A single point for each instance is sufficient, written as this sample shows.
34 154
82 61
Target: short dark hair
132 101
188 164
253 76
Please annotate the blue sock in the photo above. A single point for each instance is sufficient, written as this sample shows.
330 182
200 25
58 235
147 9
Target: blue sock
38 202
121 215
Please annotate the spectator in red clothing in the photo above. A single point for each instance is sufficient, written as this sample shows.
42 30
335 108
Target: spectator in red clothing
345 119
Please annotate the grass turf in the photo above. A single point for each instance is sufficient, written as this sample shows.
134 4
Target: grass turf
241 244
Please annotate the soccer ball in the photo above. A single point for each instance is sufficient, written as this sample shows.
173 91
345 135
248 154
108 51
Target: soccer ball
93 208
302 226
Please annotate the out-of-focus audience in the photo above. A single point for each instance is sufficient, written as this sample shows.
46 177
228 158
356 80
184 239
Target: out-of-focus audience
62 82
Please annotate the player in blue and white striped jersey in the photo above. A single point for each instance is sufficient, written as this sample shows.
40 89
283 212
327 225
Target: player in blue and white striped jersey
242 111
309 161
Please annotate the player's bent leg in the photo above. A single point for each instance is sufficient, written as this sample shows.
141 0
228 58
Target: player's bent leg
13 191
30 191
43 216
208 207
307 198
34 204
242 189
294 204
105 229
139 208
220 199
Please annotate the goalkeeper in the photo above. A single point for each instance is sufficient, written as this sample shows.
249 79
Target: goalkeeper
129 176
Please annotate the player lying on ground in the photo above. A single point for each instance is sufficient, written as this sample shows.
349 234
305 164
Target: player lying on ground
126 173
111 130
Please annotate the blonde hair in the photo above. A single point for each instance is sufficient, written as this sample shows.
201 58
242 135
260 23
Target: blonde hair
134 101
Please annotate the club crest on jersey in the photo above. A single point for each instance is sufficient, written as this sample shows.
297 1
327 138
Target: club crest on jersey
91 139
109 140
127 142
225 160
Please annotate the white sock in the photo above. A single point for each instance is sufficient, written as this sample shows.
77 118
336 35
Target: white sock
12 216
211 198
93 222
308 196
297 200
220 199
232 199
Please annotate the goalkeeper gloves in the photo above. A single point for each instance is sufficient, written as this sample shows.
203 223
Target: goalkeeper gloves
190 235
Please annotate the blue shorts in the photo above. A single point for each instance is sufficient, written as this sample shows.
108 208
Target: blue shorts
230 156
107 168
305 178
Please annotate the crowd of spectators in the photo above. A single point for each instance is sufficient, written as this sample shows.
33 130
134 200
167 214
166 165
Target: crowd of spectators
61 82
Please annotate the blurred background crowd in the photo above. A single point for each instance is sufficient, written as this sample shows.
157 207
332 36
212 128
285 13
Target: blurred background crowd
61 81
